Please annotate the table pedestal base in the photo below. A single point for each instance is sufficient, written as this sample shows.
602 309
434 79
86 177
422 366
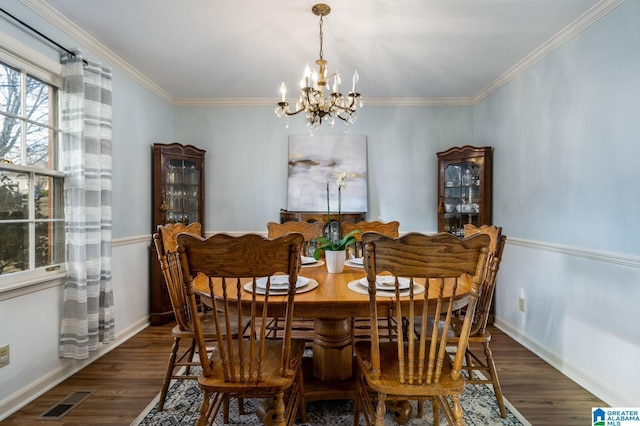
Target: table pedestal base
332 349
319 390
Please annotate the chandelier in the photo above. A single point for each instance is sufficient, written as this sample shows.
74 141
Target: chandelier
317 100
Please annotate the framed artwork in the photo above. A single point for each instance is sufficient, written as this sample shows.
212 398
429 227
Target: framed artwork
315 163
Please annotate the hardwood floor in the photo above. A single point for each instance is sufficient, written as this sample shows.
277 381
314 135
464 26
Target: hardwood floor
129 377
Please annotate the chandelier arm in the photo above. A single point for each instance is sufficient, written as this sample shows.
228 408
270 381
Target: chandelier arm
284 107
330 76
351 107
294 112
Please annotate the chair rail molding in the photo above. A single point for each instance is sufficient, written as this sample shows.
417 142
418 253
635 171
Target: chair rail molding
601 256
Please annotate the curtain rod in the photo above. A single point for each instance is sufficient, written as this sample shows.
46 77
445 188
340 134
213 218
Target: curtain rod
41 35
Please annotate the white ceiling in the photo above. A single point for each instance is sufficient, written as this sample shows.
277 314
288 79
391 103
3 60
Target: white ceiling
422 49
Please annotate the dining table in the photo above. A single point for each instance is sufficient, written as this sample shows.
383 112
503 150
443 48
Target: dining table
332 300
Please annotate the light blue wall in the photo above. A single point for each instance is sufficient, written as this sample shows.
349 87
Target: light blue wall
566 181
566 141
140 119
246 161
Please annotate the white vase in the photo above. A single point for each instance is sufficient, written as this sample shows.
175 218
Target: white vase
335 261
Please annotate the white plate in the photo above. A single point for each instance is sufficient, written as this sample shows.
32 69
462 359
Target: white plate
314 265
353 264
357 286
387 282
280 282
282 292
308 260
357 260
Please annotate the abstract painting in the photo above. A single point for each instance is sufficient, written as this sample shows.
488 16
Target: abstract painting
315 163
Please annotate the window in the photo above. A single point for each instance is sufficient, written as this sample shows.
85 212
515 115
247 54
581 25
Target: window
32 229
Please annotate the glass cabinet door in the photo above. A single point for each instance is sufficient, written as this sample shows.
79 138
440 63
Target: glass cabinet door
461 196
178 184
464 188
182 193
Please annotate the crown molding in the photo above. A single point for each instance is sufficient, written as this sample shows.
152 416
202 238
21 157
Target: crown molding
271 102
567 33
576 27
417 102
79 35
224 102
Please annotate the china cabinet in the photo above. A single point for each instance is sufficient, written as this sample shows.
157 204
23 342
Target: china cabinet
464 188
177 196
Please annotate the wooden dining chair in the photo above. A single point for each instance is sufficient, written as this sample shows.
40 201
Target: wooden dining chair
165 241
309 231
418 366
302 327
254 366
479 333
390 229
361 326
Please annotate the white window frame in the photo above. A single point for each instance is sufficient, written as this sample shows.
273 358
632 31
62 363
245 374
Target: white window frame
42 67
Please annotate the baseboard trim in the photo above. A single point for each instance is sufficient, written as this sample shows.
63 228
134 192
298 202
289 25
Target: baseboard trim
19 399
600 389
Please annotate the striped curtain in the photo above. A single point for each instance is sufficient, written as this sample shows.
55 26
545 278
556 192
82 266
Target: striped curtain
88 317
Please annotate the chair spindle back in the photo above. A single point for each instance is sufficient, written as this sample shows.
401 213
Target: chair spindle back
309 231
439 265
485 297
166 243
233 266
389 229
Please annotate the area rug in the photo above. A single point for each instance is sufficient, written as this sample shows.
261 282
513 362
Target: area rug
184 397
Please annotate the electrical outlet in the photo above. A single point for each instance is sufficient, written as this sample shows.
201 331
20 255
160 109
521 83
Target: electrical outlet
521 304
4 356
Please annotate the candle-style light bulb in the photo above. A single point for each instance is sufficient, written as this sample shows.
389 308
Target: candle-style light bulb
307 74
356 77
283 90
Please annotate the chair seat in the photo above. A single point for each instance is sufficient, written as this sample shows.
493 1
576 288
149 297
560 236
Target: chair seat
208 325
456 327
480 338
272 378
389 382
